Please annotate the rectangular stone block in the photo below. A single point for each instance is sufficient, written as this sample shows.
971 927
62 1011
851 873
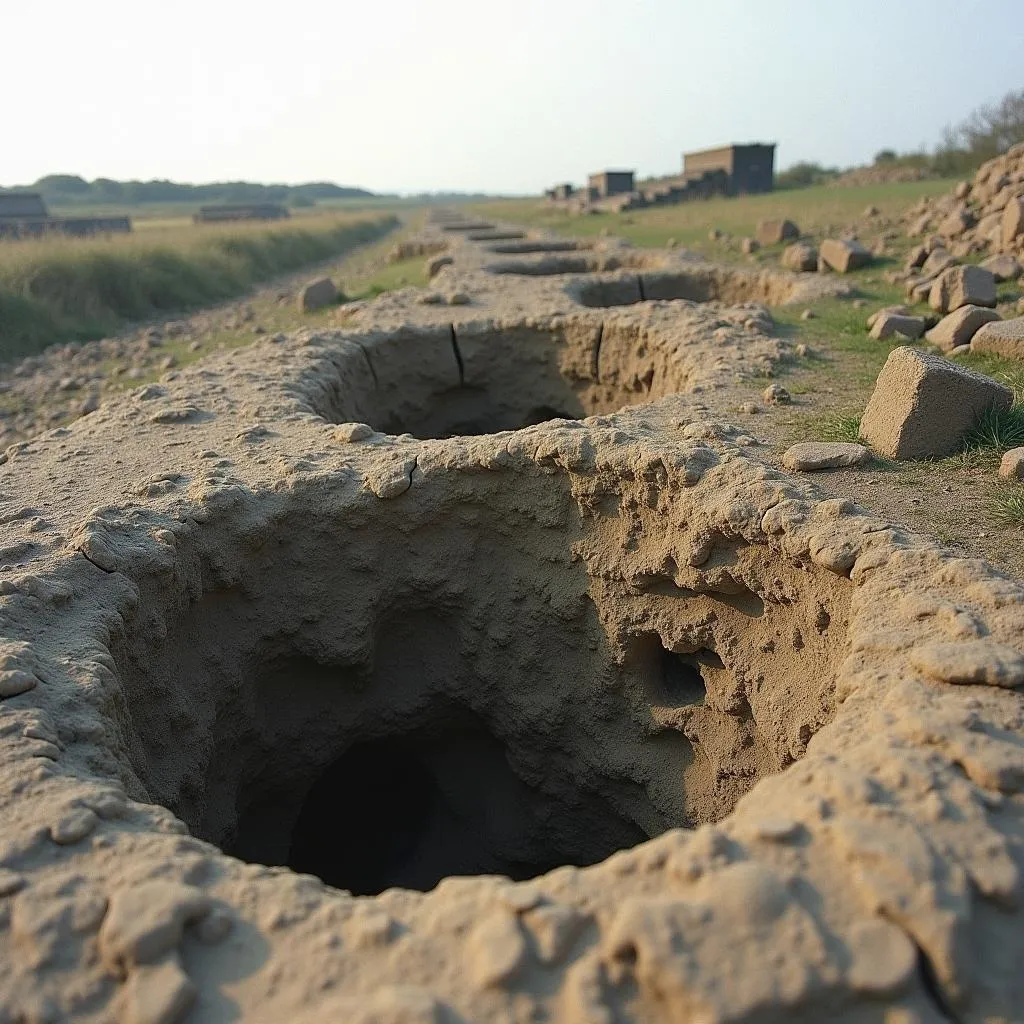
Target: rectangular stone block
1001 338
923 405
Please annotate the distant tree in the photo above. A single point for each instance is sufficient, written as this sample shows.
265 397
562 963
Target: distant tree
803 174
990 130
885 156
107 190
63 184
71 189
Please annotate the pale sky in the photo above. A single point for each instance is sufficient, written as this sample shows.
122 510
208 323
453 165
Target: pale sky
489 95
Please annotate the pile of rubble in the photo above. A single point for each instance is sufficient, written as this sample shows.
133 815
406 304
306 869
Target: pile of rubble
981 216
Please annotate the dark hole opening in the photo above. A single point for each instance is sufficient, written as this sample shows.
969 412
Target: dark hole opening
681 682
410 810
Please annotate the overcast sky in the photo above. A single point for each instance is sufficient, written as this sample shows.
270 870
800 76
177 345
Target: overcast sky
411 95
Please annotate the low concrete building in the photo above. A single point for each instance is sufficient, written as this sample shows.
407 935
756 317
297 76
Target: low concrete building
24 215
749 168
611 183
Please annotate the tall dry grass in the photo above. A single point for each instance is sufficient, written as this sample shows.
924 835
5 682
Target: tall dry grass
63 289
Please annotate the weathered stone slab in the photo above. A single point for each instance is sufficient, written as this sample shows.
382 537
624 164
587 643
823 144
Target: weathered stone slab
923 405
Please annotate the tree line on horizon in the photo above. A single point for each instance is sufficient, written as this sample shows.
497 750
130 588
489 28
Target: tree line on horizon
988 131
72 190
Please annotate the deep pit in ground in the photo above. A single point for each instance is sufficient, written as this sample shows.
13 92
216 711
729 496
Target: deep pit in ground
482 378
389 693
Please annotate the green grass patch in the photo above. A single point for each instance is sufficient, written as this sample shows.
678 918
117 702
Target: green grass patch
817 209
997 430
1007 508
840 428
62 289
410 273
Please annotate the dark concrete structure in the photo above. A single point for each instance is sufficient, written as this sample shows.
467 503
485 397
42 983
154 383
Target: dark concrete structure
749 168
240 211
24 215
611 183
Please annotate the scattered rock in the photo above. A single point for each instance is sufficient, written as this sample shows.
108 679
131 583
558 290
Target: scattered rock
1012 465
749 246
773 232
352 432
916 258
843 255
459 299
956 223
938 260
962 286
318 294
776 394
434 265
1002 266
808 314
887 325
809 456
895 310
801 256
1012 224
1001 338
957 328
922 405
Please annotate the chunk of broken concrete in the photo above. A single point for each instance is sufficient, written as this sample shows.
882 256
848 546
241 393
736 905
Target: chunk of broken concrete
1013 220
772 232
1012 465
1003 267
938 260
962 286
923 404
810 456
776 394
888 324
1001 338
844 255
800 256
318 294
957 328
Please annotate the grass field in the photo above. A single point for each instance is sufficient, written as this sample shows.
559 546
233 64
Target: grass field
813 209
62 289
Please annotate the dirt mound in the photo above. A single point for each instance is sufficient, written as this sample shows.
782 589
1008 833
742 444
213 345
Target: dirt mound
665 735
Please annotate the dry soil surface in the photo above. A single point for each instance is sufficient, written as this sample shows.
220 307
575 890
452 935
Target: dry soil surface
462 662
